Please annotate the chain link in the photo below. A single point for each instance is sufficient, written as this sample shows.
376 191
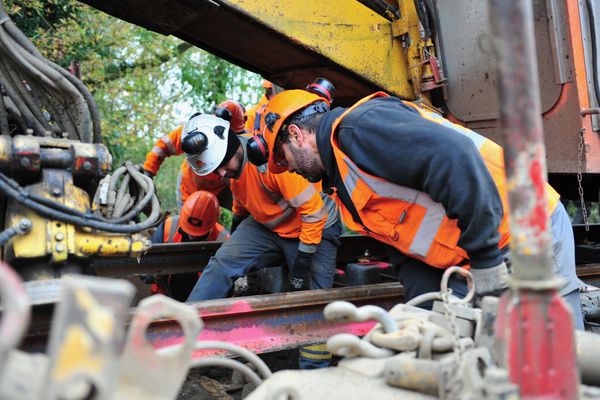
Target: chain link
580 177
455 384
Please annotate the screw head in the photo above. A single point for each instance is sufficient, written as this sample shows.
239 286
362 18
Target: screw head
59 248
59 236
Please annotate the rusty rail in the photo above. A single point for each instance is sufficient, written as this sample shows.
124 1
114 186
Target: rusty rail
269 322
260 323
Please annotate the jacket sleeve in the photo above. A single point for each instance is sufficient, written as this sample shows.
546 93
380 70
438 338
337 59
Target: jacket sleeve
389 139
167 146
305 197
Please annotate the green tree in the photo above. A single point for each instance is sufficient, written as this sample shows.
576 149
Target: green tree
145 84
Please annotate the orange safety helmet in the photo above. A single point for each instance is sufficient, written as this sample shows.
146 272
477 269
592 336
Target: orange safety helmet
233 112
199 213
278 110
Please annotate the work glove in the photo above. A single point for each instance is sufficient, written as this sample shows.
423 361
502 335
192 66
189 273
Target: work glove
490 281
235 221
300 273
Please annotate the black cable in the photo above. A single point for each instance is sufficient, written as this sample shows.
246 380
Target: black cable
24 198
432 21
382 8
423 18
4 128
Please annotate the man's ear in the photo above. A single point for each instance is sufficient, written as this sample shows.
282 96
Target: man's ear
296 133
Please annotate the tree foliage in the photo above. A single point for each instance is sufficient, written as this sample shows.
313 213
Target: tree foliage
145 84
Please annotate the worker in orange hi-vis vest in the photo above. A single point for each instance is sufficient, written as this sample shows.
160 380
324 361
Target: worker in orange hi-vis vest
196 222
187 181
433 191
275 217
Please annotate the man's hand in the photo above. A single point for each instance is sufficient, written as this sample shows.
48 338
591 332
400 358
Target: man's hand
490 281
300 273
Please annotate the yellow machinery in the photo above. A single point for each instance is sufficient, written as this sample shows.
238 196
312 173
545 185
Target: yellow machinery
435 51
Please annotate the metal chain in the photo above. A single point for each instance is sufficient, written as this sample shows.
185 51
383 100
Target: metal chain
580 177
455 384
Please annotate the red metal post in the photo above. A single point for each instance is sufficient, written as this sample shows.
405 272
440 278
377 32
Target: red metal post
534 323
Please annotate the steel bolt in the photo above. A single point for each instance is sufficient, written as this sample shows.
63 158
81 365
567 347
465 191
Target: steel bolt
60 248
56 191
59 236
87 166
25 224
25 162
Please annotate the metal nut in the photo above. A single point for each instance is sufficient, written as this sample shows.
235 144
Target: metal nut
25 162
59 236
59 248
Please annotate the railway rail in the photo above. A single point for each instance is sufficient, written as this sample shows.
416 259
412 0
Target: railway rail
262 323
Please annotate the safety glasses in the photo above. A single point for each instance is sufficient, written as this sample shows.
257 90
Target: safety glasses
278 154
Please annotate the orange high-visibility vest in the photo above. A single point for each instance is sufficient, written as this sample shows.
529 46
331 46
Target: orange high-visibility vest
408 219
172 234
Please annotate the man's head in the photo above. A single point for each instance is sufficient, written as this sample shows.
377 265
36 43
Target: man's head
208 143
289 124
199 214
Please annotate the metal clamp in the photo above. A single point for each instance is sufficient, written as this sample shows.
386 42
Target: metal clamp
343 311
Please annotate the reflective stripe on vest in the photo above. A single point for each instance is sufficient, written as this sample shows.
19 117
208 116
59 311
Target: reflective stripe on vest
286 208
432 219
435 238
171 233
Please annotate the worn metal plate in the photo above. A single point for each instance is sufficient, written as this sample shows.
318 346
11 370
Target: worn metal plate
465 36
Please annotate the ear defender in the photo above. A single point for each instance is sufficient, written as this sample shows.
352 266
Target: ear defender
257 150
194 143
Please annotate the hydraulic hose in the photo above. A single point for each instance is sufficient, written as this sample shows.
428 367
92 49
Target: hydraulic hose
49 100
382 8
57 211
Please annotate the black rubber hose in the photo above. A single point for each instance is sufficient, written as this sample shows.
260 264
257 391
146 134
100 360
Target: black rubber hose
8 234
421 10
50 213
382 8
76 213
92 107
17 82
58 211
28 117
4 128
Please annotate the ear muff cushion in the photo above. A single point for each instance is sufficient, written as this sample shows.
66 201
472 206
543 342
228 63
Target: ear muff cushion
257 150
194 143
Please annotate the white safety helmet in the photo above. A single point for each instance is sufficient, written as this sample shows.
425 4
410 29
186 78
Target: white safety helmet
204 142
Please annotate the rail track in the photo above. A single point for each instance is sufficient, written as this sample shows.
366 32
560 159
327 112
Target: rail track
262 323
